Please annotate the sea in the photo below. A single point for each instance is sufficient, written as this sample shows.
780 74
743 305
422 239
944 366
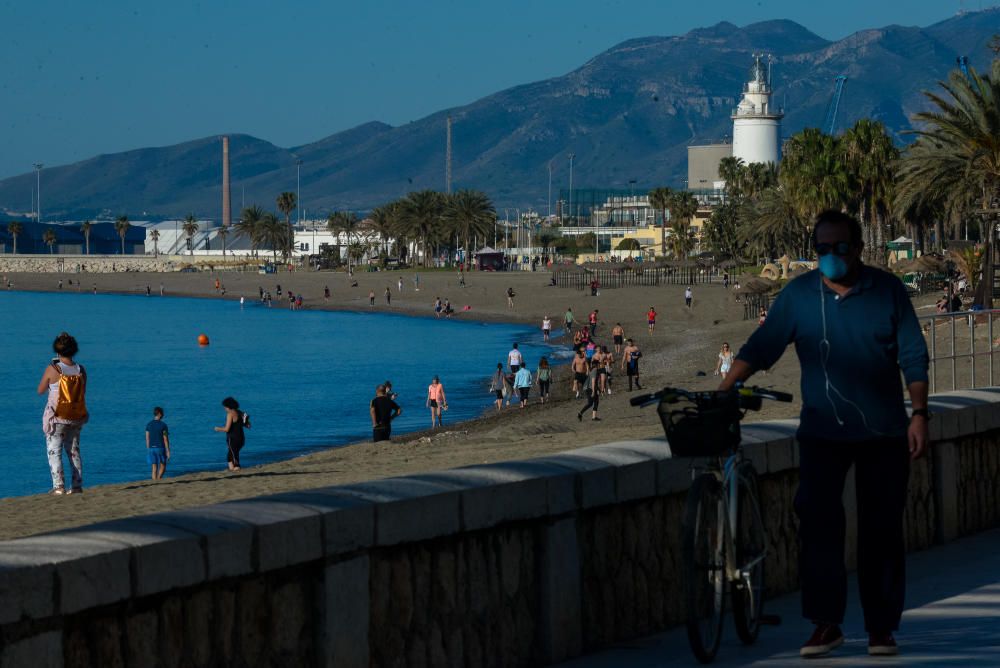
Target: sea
305 377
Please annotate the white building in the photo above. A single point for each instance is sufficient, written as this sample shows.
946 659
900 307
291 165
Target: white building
756 122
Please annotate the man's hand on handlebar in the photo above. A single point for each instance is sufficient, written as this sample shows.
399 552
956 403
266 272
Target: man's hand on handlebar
738 373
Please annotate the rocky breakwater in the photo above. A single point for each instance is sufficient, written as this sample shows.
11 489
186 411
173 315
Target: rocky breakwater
91 264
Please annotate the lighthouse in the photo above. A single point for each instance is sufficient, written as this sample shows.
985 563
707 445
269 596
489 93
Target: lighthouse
756 122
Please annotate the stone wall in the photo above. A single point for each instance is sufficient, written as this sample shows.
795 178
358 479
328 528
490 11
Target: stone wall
91 264
511 564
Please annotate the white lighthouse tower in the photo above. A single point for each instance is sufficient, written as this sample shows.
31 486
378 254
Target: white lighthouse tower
756 123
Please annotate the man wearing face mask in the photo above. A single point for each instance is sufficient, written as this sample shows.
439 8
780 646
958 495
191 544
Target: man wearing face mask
854 331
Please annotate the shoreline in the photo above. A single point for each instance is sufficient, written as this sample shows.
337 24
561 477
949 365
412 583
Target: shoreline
685 343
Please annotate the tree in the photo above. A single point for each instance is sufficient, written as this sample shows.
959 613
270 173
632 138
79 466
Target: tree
773 226
272 232
660 198
813 173
420 218
721 231
286 204
731 170
121 227
155 236
249 226
223 233
469 212
190 228
85 230
383 220
628 245
347 222
954 164
15 228
683 207
871 156
681 240
50 238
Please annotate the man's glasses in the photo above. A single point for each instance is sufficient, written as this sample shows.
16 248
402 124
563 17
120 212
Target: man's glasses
840 248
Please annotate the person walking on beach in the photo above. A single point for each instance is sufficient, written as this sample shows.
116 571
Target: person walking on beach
522 383
568 321
388 296
499 386
437 307
546 328
65 412
236 420
725 361
688 296
618 337
592 320
161 289
399 283
416 282
651 319
580 369
852 353
371 298
608 359
514 359
157 444
510 297
543 375
383 410
326 293
630 363
593 392
436 401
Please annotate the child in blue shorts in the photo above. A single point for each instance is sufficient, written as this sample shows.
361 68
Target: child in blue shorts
157 444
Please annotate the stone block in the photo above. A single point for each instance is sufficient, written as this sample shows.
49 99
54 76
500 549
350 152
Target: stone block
44 650
780 455
287 533
944 426
673 476
27 588
228 542
944 456
89 572
756 452
409 510
595 479
560 617
163 557
348 522
345 615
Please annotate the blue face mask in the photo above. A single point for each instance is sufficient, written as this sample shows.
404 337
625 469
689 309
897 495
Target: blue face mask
832 266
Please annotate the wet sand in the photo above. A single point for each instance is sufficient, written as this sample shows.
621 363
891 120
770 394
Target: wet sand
685 342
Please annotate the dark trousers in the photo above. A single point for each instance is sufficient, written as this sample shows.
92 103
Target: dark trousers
881 472
381 433
593 399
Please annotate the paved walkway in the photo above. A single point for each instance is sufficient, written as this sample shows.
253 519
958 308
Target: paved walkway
952 618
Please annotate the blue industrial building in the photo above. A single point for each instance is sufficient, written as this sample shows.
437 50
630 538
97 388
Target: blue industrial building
104 239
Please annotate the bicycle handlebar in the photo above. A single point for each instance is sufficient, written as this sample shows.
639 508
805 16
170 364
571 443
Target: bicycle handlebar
673 394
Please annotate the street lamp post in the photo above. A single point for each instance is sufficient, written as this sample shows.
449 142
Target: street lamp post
570 206
550 191
298 189
38 191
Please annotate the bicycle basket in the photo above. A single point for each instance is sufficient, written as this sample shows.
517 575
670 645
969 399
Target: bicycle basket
706 429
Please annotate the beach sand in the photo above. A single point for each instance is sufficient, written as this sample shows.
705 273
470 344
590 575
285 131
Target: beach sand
685 342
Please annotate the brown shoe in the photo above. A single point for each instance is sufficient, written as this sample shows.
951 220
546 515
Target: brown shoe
882 644
825 639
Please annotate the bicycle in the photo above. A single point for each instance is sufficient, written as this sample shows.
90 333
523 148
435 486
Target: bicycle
724 546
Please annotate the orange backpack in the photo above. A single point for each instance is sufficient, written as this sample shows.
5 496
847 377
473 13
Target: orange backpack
71 404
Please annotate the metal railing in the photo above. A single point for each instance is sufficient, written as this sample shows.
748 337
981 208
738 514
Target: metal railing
950 333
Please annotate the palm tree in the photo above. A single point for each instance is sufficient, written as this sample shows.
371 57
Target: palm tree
50 238
121 227
383 220
223 233
155 236
683 207
287 204
681 239
15 228
190 228
469 212
813 173
272 232
85 231
773 226
871 156
347 222
955 162
659 198
249 226
731 170
420 218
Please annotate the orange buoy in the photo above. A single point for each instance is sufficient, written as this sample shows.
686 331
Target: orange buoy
202 340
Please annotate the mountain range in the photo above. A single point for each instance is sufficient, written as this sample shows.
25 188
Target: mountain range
627 115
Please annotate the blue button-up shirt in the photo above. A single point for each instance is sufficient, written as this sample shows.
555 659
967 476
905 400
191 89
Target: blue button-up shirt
851 387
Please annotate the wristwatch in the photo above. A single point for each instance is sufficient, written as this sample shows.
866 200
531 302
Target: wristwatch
922 411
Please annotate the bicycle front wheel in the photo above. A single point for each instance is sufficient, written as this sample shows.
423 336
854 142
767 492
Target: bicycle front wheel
704 550
751 550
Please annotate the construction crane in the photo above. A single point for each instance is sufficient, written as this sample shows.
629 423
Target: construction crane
831 113
963 64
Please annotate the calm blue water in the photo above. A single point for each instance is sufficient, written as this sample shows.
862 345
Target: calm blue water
305 377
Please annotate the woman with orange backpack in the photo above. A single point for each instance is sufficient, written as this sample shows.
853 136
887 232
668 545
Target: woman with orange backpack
65 412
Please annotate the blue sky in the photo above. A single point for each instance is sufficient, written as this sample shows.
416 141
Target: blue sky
79 79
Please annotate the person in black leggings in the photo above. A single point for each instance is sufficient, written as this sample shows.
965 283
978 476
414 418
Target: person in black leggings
594 382
235 438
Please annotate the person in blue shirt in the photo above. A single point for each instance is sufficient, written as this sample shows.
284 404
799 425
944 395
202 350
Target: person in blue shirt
855 332
522 382
157 444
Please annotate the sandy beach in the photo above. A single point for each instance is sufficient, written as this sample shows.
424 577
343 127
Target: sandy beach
686 341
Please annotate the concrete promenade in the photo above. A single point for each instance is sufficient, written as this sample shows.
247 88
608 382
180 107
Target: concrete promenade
952 618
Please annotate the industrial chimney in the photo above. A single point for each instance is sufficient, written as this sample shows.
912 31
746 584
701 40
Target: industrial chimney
226 214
